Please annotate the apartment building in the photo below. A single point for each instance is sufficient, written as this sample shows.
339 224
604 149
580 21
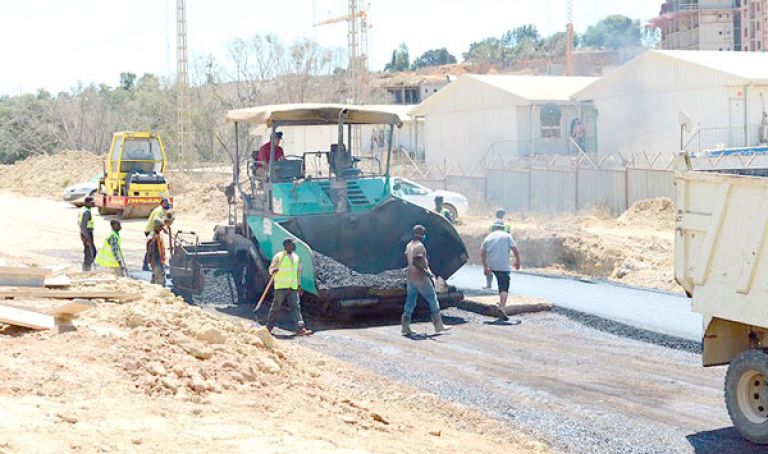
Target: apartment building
754 21
700 24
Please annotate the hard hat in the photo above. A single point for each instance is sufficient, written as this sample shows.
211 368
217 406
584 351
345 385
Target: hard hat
498 224
288 241
500 212
419 229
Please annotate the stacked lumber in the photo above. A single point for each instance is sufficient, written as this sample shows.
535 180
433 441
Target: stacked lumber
23 284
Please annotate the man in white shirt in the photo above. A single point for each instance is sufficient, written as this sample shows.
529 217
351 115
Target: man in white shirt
494 254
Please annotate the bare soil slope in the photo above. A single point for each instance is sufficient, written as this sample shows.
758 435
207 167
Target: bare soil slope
637 248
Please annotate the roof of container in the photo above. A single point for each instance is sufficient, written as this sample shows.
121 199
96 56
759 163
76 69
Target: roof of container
737 68
529 88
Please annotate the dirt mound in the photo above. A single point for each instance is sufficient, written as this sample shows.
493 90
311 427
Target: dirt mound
48 175
658 213
141 373
200 195
635 249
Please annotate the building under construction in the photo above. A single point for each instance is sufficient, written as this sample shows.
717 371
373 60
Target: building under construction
720 25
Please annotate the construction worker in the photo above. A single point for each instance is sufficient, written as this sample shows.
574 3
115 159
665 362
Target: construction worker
420 281
262 157
494 253
110 255
286 274
500 213
440 209
162 213
156 254
85 222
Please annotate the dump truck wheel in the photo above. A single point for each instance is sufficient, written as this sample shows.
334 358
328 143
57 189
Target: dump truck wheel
746 394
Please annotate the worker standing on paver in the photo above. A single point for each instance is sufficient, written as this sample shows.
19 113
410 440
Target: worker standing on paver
420 281
286 274
500 213
161 212
110 255
156 254
494 253
85 222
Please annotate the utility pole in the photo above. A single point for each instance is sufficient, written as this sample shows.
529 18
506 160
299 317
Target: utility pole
569 38
182 84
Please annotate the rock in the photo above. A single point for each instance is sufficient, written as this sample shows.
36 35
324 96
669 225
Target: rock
178 370
250 374
378 418
171 383
137 441
196 384
210 335
156 368
131 364
269 365
136 317
435 433
198 352
67 417
349 419
265 337
314 372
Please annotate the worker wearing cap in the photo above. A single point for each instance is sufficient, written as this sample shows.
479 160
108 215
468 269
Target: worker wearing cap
286 275
156 254
110 255
500 213
163 214
263 156
85 222
419 280
494 253
441 210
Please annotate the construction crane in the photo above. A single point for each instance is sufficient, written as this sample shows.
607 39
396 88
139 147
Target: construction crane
182 84
357 47
569 38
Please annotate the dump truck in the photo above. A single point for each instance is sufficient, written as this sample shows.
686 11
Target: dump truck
721 260
133 183
349 228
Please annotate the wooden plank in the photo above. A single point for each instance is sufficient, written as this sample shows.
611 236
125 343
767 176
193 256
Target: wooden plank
72 308
24 271
57 282
28 319
67 294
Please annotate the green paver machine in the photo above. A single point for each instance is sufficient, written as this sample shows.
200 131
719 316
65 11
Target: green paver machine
330 202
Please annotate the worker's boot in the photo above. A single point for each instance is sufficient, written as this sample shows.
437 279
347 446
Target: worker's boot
405 321
437 320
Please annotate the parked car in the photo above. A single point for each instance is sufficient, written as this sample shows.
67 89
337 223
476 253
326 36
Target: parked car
77 193
425 197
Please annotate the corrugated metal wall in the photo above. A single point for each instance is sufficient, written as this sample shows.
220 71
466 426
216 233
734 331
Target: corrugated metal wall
568 190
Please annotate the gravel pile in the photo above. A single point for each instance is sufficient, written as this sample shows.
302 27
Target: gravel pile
333 274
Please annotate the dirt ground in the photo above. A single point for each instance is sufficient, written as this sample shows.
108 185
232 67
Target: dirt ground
637 248
160 375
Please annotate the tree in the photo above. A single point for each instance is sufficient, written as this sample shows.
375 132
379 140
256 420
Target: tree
400 60
434 57
489 50
520 34
126 81
614 32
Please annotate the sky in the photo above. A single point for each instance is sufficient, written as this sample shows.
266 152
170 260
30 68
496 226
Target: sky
55 44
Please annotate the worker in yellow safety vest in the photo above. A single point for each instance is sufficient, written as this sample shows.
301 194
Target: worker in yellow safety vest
85 222
286 275
163 214
110 255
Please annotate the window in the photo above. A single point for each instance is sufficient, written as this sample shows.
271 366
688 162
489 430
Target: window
141 155
550 117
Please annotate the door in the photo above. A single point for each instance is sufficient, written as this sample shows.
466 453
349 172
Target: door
735 136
